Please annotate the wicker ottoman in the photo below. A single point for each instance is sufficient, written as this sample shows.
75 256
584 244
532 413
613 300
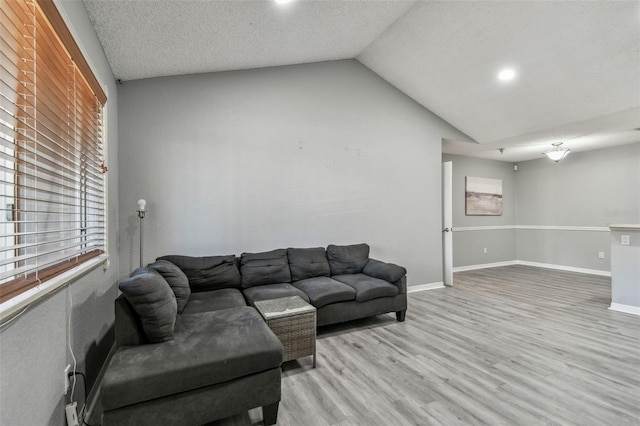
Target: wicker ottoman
294 322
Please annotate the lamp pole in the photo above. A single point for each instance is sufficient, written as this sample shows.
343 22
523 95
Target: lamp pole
141 212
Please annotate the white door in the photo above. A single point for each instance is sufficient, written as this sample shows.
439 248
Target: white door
447 222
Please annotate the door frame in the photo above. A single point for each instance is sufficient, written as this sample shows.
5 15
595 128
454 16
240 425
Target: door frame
447 223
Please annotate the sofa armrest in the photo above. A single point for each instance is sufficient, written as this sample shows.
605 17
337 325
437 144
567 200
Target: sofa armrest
390 272
128 326
402 285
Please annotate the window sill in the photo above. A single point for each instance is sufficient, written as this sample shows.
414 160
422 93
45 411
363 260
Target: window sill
11 307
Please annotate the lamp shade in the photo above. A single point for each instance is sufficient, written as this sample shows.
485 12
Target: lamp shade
142 204
557 154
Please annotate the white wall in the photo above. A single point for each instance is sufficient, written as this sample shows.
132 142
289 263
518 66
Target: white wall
296 156
34 347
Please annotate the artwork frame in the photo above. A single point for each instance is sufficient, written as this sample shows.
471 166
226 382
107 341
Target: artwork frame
483 196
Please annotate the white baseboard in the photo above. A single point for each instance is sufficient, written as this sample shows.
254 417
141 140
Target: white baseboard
627 309
565 268
422 287
535 264
484 266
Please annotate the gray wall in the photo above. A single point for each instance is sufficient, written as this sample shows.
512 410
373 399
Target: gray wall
589 189
34 347
625 268
586 189
295 156
469 245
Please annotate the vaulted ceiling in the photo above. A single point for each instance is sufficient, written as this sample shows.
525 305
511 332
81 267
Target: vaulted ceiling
577 63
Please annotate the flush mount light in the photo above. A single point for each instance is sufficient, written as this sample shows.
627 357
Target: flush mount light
507 74
557 154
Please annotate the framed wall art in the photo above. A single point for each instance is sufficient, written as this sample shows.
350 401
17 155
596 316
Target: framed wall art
483 197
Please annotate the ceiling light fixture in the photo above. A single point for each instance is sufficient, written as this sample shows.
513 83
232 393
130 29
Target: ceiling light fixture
557 154
283 1
507 74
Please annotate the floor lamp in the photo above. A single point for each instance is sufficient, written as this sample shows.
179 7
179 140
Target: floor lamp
141 212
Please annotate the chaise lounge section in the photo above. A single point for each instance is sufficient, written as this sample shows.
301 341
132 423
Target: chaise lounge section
213 359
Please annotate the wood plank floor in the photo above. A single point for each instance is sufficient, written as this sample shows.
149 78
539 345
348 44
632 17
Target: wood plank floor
514 345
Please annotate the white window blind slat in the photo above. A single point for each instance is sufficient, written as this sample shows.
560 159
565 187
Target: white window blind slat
45 263
70 243
51 154
34 234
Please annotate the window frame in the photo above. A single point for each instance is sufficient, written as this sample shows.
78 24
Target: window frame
53 277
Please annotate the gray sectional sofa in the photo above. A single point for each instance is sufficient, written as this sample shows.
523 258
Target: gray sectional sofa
190 348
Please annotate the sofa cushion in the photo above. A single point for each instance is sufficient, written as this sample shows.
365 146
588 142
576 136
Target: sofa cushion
176 279
208 348
272 291
324 290
208 273
214 300
269 267
347 259
385 271
154 302
308 263
367 287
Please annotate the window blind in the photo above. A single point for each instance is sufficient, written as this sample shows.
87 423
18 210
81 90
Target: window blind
52 189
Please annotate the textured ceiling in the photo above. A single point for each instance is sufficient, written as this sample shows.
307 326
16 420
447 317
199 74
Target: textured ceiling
144 38
578 62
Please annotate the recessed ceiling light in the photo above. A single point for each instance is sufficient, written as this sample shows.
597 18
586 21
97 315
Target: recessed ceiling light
507 74
283 1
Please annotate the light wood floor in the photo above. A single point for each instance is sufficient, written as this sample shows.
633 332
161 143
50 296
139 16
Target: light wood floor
505 346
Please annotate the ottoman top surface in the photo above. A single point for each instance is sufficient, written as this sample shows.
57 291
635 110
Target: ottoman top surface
283 307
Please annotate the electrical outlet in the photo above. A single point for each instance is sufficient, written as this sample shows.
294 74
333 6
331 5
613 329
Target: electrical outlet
625 240
72 414
600 255
485 250
66 378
